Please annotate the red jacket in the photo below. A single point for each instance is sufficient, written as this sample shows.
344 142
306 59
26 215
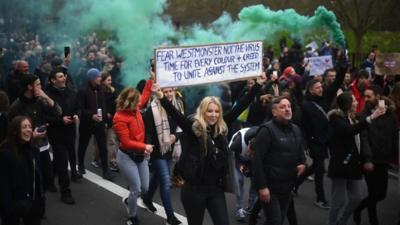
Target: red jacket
358 96
129 126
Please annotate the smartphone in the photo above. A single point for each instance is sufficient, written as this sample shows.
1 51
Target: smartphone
275 73
42 129
381 103
67 51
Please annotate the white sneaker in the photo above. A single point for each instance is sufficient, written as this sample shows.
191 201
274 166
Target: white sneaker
240 215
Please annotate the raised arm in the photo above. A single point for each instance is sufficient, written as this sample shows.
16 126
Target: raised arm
184 123
330 92
242 103
145 94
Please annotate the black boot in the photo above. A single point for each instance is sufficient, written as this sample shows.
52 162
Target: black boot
67 198
75 176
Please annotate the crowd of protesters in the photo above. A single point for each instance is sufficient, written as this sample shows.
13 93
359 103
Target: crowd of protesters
260 129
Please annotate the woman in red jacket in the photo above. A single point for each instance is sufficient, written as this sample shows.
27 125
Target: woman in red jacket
133 154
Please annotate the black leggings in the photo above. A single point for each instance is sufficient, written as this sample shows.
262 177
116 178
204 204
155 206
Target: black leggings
196 199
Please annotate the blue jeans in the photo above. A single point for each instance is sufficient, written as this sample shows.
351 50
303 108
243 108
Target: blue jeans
239 179
137 175
161 177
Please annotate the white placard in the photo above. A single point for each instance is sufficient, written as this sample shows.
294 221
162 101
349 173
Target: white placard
318 65
194 65
313 45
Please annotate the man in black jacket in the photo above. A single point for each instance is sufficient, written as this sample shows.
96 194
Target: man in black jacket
62 132
315 126
278 160
377 142
92 104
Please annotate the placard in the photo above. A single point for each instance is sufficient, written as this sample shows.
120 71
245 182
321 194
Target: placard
387 64
204 64
319 64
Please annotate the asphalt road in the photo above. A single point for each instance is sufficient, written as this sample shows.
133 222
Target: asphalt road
99 203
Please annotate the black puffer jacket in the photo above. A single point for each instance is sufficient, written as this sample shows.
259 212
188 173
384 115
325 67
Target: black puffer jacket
279 149
344 161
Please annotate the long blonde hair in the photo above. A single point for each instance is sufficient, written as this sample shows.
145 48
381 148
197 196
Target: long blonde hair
200 122
127 99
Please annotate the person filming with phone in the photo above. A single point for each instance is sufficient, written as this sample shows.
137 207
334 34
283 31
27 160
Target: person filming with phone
378 141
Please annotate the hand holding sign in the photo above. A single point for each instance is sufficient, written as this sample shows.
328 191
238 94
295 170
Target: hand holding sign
157 91
318 65
152 75
261 79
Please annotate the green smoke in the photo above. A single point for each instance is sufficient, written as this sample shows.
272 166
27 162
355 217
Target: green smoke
260 23
139 26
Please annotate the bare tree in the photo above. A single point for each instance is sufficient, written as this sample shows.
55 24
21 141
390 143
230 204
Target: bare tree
361 15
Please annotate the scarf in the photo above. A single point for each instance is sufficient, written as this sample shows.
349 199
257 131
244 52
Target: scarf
163 130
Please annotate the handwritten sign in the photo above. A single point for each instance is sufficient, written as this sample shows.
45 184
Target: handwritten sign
318 65
194 65
387 64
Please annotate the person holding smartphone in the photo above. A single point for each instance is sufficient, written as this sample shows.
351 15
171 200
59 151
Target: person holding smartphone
21 192
62 132
379 140
344 162
37 105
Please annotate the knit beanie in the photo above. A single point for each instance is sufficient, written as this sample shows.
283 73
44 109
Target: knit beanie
92 74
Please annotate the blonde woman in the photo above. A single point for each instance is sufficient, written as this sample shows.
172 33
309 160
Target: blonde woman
204 161
133 154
